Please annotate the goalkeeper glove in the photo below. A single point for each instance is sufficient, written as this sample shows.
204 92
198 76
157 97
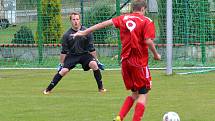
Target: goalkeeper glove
100 65
59 67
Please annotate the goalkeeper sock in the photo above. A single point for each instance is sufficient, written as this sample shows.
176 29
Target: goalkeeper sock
54 82
138 112
128 103
98 77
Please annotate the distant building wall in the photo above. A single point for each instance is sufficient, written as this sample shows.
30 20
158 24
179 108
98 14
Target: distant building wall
10 10
1 9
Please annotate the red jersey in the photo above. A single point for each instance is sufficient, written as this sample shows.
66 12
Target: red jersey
135 28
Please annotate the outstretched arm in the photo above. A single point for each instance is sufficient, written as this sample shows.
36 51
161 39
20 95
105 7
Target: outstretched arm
93 28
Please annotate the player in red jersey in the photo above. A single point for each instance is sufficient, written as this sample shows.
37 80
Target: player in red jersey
137 33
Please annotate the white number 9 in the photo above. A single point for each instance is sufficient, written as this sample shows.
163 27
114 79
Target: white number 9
130 25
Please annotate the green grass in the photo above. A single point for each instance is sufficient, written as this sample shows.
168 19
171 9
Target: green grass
76 97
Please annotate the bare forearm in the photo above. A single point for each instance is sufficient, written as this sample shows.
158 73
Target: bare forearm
93 28
152 48
99 26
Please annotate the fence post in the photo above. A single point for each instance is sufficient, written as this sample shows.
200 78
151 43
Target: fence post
203 31
82 11
39 30
118 34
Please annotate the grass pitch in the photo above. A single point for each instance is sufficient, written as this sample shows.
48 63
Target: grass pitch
76 97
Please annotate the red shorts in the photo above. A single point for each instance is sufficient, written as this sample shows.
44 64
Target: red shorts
135 77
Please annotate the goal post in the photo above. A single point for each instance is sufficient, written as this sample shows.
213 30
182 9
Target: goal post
169 37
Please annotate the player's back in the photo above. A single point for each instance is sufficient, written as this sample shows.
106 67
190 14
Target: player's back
133 32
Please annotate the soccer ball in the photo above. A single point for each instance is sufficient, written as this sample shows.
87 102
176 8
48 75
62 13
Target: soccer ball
171 116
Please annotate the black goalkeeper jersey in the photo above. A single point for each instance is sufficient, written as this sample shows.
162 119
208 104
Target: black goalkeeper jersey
77 46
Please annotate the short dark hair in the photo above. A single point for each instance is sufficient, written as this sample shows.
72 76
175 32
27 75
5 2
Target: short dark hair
74 13
138 4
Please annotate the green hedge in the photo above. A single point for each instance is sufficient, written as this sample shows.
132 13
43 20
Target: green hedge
23 36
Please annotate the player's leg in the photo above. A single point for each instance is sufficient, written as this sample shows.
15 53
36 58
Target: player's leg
128 103
69 63
140 105
55 80
141 77
129 100
89 62
97 75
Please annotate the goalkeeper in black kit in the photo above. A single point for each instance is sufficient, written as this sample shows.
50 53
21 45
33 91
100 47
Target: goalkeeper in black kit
79 50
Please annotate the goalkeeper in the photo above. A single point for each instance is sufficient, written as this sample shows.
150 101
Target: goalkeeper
77 51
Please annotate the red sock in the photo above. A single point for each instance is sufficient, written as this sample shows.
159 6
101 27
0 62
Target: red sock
138 112
129 101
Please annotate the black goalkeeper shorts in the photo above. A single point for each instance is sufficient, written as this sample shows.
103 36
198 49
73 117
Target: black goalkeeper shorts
72 60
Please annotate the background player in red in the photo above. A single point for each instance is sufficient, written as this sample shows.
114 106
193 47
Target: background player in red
137 33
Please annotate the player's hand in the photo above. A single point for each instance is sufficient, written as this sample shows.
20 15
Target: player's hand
100 65
157 57
59 67
79 33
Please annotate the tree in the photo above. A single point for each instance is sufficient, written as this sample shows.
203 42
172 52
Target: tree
51 21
